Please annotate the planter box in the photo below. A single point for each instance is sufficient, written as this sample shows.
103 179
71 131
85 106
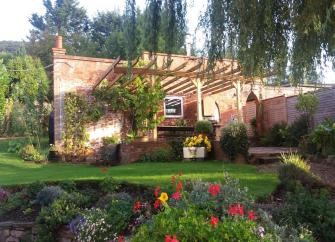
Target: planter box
194 152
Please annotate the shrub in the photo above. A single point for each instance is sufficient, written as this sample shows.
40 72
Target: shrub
60 212
314 210
157 155
109 154
192 225
30 153
296 130
203 127
307 103
49 194
114 139
69 186
176 149
234 140
34 188
14 146
94 227
109 185
323 136
296 171
275 136
119 215
105 200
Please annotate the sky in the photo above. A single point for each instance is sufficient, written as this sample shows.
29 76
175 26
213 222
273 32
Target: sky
15 14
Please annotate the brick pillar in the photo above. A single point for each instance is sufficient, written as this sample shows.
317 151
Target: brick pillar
57 53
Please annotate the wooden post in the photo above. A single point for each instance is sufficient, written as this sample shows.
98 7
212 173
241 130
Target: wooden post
237 85
154 131
198 84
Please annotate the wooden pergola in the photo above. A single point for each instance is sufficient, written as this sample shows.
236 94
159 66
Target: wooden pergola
183 75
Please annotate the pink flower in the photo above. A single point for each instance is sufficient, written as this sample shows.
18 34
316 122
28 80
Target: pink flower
251 215
176 196
214 189
214 221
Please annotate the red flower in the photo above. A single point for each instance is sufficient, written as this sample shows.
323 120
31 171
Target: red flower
168 238
236 209
173 179
157 204
214 221
251 215
179 186
214 189
176 196
157 191
104 169
120 238
137 206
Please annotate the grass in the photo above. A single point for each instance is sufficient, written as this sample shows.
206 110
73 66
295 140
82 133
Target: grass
15 171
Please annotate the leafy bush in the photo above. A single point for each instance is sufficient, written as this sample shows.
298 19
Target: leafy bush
14 146
307 103
192 225
105 200
94 227
275 136
49 194
296 171
314 210
323 136
16 200
109 185
60 212
296 130
119 215
157 155
203 127
34 188
69 186
176 149
234 140
30 153
114 139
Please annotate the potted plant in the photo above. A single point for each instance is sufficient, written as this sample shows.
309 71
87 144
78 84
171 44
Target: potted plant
196 147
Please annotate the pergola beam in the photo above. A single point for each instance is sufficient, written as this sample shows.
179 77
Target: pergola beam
107 72
141 72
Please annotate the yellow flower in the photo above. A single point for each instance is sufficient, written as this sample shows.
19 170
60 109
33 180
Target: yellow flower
163 197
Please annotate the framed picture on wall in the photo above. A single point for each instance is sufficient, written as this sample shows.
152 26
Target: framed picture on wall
173 107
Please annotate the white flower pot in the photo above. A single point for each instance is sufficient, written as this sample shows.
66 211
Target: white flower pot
194 152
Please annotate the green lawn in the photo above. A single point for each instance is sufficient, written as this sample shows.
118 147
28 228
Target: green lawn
15 171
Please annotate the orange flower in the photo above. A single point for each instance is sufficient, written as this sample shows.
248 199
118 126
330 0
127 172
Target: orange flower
173 179
104 169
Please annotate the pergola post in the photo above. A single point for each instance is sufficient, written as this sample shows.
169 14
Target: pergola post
198 84
238 88
154 131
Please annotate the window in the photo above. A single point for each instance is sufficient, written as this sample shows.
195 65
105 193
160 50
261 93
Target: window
173 107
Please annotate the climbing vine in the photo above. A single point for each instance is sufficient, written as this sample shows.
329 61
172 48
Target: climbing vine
140 99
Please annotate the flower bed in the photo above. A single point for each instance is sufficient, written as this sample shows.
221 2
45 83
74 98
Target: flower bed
109 211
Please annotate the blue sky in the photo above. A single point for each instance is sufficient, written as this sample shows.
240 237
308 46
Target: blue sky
14 18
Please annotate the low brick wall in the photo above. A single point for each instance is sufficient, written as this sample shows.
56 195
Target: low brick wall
132 152
26 231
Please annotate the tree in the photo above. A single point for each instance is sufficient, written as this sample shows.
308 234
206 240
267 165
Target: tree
29 86
63 17
4 83
307 103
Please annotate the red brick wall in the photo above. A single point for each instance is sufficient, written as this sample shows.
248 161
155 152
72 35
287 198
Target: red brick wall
130 153
79 75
